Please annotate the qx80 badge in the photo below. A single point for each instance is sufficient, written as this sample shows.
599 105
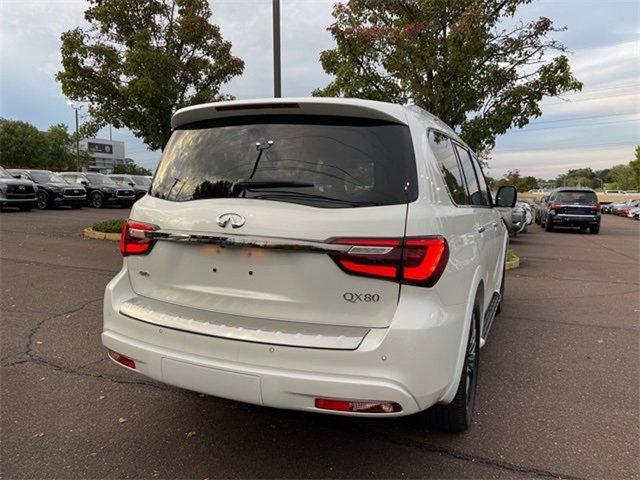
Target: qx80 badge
233 219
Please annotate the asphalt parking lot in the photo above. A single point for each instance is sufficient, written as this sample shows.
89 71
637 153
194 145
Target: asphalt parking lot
558 393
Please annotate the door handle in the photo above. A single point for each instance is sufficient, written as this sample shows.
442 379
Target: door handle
481 229
495 224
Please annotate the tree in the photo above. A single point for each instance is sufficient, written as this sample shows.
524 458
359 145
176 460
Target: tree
454 58
527 183
131 169
140 60
623 176
21 144
59 146
635 168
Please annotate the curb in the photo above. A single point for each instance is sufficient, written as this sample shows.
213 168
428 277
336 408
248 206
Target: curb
95 235
512 264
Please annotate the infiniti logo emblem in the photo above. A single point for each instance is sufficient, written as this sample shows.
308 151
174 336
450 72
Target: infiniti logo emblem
233 219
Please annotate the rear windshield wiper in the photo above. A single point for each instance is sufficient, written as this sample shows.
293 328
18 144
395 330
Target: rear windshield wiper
315 196
242 184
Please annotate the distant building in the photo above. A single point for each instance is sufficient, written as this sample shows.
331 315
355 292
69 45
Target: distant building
105 154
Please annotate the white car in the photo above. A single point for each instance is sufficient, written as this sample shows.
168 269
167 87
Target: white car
328 255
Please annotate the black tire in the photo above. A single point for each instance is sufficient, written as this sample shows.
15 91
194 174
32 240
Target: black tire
456 416
594 229
96 200
43 200
548 226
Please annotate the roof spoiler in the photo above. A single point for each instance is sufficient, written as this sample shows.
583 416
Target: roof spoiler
292 106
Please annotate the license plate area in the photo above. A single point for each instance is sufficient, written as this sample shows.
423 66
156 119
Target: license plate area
212 381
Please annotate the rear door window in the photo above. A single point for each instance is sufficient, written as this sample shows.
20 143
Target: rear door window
484 189
329 162
446 156
473 187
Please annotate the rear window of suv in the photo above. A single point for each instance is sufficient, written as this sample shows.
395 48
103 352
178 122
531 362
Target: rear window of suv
329 162
576 197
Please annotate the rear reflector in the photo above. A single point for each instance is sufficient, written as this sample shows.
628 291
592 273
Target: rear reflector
126 361
133 240
359 406
414 260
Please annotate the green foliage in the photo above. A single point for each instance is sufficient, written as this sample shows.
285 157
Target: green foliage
109 226
511 255
635 168
624 177
513 177
131 169
527 183
454 58
141 60
22 145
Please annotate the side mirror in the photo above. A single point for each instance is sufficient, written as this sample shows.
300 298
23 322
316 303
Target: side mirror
84 182
506 196
16 175
131 184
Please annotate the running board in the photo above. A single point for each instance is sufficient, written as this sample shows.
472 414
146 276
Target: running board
489 316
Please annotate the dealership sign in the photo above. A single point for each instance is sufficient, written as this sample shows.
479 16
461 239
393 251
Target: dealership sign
100 148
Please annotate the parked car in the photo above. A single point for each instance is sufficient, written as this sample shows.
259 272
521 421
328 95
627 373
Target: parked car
139 183
53 190
266 263
634 213
572 207
623 211
615 192
521 218
616 207
540 207
101 190
16 192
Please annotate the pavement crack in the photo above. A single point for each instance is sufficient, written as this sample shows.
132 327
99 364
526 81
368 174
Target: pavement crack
60 266
458 455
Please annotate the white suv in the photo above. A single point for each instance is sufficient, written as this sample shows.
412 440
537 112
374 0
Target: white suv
330 255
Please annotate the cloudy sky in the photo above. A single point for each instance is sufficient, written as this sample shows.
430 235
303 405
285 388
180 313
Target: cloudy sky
598 127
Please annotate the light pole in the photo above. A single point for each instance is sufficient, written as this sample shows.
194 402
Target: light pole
277 87
76 108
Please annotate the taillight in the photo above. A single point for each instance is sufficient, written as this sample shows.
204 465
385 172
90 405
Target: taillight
417 261
596 208
424 260
554 206
133 240
359 406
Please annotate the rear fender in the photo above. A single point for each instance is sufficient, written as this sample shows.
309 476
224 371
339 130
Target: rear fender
477 287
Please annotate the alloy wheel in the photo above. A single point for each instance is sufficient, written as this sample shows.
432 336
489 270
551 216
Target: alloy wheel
471 366
43 200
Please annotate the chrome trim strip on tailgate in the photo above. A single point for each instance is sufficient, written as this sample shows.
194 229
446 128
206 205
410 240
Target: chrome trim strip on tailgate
235 327
254 241
575 215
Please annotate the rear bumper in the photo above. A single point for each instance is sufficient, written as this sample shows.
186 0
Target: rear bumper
568 220
412 363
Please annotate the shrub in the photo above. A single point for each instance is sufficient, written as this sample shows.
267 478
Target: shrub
511 256
109 226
